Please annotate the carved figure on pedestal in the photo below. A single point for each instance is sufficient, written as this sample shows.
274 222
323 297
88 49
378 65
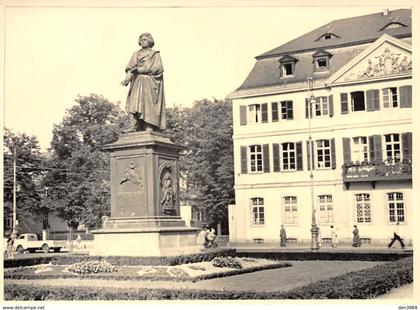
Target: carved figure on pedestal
145 100
131 175
168 190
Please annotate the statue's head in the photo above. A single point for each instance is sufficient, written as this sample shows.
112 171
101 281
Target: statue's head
146 38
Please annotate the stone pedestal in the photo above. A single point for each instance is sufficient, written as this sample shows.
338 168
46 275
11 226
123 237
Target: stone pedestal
145 217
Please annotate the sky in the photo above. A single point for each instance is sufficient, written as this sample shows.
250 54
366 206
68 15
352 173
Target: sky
54 54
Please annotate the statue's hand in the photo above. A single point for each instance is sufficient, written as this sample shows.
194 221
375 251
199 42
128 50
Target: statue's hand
125 82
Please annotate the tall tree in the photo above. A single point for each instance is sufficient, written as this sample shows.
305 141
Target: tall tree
28 160
207 162
78 178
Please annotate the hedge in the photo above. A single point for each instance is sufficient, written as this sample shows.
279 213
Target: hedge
344 256
362 284
120 260
207 256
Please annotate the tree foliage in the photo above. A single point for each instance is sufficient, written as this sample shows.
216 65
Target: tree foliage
28 159
78 178
207 163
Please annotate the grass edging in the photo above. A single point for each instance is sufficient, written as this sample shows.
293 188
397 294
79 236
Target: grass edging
362 284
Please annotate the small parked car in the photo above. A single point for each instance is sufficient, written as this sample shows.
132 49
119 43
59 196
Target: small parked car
29 242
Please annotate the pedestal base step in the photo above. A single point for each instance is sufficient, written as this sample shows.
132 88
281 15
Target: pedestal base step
154 241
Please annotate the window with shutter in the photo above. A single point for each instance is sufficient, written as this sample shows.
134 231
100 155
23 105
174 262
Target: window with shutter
244 167
266 157
255 158
288 156
254 114
264 113
372 100
323 154
392 148
331 105
405 96
242 115
344 103
287 109
346 150
333 162
389 97
407 145
360 149
275 111
299 156
276 157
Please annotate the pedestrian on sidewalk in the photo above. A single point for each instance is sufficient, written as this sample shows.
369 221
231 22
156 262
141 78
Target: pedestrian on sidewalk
211 238
334 237
319 239
10 247
202 236
396 237
356 237
283 236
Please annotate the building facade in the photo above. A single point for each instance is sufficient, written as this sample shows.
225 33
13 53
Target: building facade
335 103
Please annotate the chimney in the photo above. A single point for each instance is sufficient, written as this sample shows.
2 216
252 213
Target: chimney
385 12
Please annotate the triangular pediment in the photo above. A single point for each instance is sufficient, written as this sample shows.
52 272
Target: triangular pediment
287 58
320 53
386 57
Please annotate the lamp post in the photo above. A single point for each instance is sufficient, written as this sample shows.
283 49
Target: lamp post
14 229
314 228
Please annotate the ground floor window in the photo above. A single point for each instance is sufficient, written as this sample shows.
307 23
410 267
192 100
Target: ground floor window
257 209
396 207
290 210
363 210
325 205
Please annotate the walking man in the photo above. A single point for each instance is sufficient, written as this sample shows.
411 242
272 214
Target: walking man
397 237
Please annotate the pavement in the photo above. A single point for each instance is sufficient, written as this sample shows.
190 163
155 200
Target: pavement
402 292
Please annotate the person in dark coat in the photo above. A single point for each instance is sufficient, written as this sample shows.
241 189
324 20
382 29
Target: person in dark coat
356 237
283 237
396 237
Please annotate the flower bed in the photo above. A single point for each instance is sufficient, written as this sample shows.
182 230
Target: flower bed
362 284
104 270
120 260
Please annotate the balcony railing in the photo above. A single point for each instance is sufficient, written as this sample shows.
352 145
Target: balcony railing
371 171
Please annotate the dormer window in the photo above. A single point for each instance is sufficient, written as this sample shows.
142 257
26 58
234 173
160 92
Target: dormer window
287 66
321 60
393 25
327 36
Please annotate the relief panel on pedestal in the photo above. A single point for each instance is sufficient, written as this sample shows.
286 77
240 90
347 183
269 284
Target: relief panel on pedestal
130 190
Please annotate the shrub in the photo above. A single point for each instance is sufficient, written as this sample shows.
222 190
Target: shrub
309 255
92 267
228 262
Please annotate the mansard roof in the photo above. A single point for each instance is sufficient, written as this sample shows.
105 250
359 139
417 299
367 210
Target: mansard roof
352 30
352 36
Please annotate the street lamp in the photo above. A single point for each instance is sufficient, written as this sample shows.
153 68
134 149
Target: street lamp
314 228
14 224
